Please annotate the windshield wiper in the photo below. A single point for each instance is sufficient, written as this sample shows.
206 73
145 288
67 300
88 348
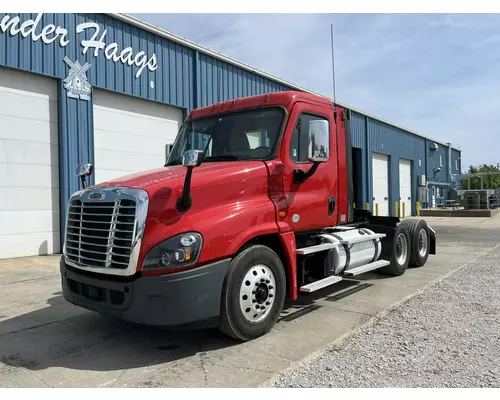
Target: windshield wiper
222 157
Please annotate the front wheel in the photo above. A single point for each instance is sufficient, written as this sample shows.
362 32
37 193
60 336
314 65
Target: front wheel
253 294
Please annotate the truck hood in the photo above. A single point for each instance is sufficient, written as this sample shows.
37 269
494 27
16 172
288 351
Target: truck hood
207 174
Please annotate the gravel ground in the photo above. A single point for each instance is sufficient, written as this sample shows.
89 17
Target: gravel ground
447 336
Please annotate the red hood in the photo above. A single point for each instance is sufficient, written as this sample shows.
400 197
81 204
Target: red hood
206 175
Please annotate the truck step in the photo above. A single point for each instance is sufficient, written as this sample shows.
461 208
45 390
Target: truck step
364 238
316 248
312 287
367 267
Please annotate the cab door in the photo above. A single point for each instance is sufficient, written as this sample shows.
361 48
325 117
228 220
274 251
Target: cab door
311 203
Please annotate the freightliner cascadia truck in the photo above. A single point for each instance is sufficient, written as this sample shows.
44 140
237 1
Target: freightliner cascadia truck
254 206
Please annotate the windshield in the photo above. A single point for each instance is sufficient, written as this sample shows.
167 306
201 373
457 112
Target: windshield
242 135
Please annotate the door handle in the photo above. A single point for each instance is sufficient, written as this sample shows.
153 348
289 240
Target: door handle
331 205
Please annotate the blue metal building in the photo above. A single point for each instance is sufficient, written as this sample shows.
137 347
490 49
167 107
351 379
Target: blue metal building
79 76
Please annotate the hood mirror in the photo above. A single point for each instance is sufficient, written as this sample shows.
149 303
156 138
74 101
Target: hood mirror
84 170
190 159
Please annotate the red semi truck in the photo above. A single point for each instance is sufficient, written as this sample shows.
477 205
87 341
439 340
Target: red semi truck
253 206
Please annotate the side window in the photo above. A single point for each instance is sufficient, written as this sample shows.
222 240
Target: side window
300 138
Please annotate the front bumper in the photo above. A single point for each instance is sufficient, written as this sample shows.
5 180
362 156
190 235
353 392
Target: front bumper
182 298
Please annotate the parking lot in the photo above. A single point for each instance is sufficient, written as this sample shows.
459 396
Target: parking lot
46 342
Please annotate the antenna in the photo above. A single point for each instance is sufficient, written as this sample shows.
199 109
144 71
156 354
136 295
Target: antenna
333 73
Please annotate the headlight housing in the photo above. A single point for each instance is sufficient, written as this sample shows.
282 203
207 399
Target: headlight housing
176 252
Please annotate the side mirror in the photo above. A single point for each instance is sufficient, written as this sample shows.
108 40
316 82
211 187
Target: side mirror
192 158
319 141
84 170
168 150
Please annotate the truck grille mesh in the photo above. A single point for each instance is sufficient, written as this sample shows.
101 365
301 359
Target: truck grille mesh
101 234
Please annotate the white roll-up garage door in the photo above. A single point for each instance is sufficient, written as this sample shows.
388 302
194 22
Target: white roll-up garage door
380 173
29 171
130 134
405 187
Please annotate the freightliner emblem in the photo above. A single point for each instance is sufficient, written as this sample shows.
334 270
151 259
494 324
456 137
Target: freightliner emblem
96 196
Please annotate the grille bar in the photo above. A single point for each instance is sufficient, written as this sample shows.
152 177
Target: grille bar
94 228
96 244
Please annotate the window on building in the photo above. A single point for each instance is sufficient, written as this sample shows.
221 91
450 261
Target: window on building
300 140
456 165
440 160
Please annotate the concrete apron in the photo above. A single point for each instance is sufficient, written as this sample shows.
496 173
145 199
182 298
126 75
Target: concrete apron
46 342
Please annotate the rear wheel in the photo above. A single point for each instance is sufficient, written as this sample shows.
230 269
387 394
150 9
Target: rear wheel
396 249
253 294
420 241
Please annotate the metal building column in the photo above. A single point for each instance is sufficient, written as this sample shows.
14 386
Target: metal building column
76 146
367 178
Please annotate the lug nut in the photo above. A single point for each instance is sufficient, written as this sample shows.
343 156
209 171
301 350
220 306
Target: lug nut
262 280
270 287
267 281
267 303
270 295
254 301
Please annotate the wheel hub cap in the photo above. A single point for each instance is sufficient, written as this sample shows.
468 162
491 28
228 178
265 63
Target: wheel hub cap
257 293
422 242
401 249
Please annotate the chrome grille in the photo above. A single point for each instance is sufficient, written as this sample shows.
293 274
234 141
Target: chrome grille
101 234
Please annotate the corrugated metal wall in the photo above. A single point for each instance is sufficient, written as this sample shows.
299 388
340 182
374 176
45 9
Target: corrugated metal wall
219 81
398 144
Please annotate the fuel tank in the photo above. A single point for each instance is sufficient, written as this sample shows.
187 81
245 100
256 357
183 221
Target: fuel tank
349 252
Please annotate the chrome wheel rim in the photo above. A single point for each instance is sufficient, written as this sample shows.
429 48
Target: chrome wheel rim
401 249
257 293
422 242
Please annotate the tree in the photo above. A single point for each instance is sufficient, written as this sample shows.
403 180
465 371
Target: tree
491 179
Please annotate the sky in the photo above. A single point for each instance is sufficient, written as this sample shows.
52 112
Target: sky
436 74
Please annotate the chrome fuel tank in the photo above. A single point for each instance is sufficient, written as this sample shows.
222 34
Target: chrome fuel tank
350 252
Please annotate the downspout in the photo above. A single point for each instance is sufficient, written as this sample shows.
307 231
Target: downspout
449 162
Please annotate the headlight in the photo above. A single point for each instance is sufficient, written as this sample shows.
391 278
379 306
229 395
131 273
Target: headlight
178 251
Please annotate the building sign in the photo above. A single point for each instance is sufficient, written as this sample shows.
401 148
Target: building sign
51 33
76 82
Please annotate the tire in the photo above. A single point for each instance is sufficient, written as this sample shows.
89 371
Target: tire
243 318
396 249
420 241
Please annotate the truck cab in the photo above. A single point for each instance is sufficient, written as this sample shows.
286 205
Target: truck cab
254 205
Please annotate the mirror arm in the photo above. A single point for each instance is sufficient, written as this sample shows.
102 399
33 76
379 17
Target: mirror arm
184 202
84 181
300 176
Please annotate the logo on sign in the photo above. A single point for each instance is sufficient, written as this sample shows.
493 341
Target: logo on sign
76 82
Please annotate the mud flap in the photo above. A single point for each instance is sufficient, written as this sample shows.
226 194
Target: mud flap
432 236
